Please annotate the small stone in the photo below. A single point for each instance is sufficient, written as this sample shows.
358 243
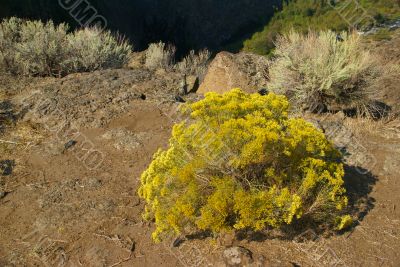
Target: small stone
263 91
6 167
179 99
94 183
70 144
2 194
237 256
339 38
177 242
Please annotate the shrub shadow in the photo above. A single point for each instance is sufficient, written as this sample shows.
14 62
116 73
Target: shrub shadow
7 116
359 183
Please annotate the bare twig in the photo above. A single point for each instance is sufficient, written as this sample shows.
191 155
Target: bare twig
122 261
9 142
104 236
57 240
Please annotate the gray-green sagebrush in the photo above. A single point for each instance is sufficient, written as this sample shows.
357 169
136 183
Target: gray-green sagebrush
34 48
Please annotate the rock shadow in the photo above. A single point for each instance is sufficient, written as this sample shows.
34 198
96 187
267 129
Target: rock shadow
7 116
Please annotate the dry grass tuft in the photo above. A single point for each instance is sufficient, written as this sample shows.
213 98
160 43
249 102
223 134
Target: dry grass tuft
21 136
388 127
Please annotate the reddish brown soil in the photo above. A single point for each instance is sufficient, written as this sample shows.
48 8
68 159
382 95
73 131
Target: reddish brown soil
58 212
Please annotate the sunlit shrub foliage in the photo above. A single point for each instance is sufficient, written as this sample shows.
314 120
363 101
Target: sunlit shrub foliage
160 55
318 69
34 48
239 162
93 50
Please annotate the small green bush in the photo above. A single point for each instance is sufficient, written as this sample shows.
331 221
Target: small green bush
35 48
242 163
317 69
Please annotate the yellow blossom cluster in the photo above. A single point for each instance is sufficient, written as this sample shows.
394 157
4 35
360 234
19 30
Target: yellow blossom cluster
240 162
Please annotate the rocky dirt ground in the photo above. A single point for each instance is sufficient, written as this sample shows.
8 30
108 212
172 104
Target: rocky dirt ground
72 151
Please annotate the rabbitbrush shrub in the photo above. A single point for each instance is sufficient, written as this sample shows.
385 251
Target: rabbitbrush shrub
43 49
240 162
318 69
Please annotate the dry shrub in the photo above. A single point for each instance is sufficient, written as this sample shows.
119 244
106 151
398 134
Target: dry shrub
386 84
42 48
320 69
34 48
9 35
160 55
195 64
92 50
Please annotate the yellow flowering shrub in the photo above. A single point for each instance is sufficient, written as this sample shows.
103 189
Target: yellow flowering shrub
343 222
240 162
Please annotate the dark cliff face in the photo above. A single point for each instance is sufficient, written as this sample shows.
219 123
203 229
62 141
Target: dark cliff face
189 24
